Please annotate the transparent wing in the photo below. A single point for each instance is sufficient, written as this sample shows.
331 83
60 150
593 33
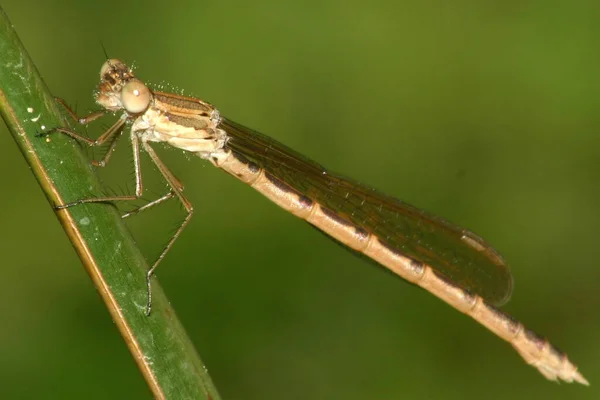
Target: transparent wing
458 254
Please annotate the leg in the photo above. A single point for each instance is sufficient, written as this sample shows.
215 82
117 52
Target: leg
84 120
111 134
137 168
177 189
153 203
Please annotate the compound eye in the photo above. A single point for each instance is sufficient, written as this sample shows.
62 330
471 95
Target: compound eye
135 97
108 65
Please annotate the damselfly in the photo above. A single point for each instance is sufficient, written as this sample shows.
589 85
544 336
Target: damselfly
450 262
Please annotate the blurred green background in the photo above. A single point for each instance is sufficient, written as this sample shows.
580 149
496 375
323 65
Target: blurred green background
483 112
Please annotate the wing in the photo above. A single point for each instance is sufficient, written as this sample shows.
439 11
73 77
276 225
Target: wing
461 256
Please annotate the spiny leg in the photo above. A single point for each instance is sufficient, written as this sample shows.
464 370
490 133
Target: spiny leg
115 135
178 186
177 189
151 204
112 134
136 161
81 120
